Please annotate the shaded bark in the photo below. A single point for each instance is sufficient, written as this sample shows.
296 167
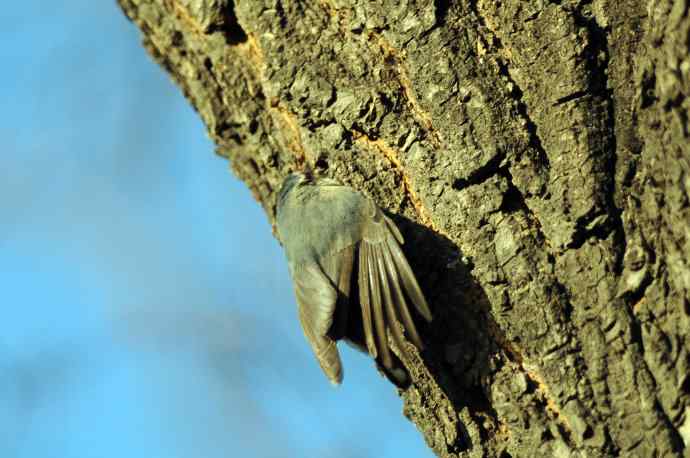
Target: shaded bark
535 155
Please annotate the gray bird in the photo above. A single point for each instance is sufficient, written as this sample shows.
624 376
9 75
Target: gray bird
333 234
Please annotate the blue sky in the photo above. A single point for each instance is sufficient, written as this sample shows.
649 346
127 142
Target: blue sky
147 309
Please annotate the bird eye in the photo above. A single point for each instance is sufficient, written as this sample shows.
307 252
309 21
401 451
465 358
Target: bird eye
321 164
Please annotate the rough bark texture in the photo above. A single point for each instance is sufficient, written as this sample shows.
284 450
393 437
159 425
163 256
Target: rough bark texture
536 155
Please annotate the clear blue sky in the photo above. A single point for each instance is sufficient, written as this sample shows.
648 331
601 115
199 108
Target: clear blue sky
146 307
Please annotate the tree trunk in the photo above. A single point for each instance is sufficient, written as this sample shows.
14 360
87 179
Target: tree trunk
535 155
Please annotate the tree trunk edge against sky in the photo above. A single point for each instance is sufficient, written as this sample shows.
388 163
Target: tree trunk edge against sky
535 155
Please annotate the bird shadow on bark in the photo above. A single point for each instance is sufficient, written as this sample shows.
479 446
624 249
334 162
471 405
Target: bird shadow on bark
464 345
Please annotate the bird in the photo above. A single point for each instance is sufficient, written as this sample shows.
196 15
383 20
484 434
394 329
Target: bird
351 279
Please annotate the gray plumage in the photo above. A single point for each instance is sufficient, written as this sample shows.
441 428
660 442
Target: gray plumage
333 234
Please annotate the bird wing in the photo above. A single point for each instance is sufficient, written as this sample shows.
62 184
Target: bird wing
385 280
322 294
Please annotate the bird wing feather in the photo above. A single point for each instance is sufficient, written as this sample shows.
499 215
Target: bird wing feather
385 280
316 300
338 269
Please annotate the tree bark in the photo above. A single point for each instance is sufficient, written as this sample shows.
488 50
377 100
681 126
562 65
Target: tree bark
535 155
